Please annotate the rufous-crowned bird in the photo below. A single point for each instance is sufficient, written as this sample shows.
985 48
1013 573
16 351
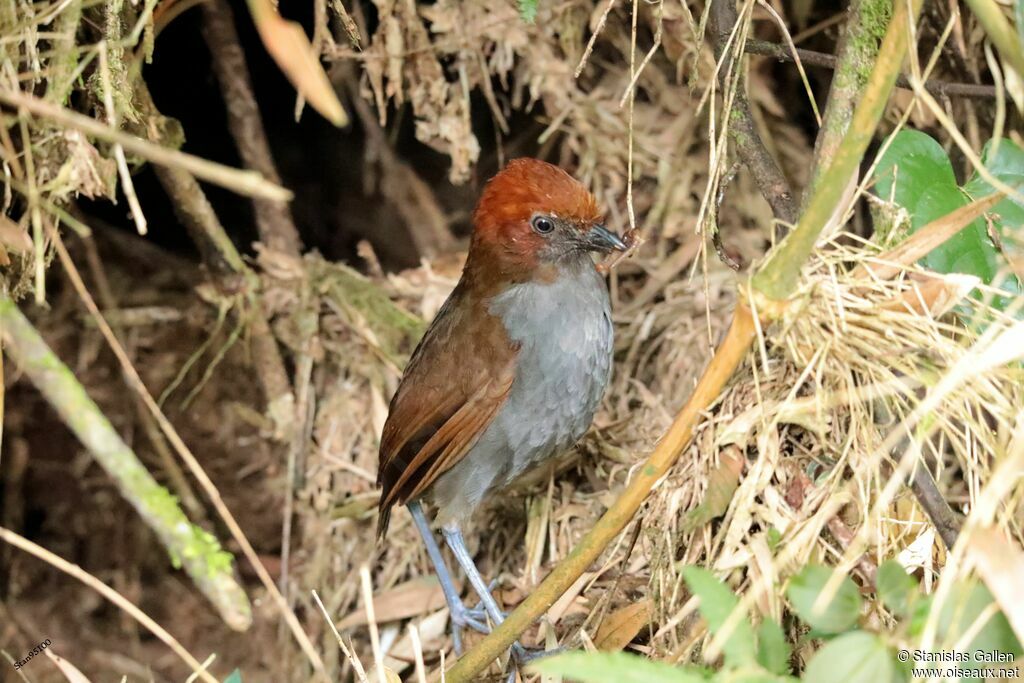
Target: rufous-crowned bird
511 370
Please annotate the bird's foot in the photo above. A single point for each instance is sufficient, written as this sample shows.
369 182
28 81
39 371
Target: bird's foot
526 655
474 618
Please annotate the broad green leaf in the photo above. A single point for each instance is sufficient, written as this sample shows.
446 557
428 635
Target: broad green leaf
916 174
855 657
914 162
772 649
716 604
968 600
234 677
614 667
1007 164
841 612
919 612
895 587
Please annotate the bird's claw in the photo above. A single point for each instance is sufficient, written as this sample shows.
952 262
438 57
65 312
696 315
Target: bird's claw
524 655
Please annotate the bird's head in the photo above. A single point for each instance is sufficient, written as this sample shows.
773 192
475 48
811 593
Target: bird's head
533 219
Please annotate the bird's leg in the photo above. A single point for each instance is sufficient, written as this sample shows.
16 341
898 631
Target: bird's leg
460 615
453 537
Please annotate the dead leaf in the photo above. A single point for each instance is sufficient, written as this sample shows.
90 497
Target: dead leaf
417 596
288 45
934 295
722 485
13 236
621 626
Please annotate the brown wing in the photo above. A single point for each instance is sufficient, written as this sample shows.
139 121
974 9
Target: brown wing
455 383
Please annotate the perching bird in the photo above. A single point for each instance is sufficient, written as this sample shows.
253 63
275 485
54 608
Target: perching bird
510 371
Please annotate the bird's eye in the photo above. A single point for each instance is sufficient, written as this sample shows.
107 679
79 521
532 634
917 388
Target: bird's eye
543 224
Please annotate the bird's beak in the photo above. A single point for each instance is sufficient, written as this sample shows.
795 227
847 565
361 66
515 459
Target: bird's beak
600 238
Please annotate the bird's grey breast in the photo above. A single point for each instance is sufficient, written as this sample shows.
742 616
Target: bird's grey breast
564 332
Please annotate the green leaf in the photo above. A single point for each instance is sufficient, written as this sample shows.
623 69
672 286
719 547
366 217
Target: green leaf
855 657
916 174
772 649
716 604
895 587
842 611
1006 163
966 601
614 667
234 677
528 10
919 611
914 163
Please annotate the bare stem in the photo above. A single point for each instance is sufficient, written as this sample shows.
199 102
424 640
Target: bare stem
821 59
858 47
221 256
110 594
1000 32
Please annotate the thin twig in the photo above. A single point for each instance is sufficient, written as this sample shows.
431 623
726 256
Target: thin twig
136 383
945 521
1000 32
243 182
777 281
820 59
110 594
233 274
178 481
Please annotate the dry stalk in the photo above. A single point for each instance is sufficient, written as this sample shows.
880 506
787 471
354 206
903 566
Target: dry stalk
742 129
935 86
112 595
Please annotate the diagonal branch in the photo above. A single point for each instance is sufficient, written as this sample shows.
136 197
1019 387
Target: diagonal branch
778 277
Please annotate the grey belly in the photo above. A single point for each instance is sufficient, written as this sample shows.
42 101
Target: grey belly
564 362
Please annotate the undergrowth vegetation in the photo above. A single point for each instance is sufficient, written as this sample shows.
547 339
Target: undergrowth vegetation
223 231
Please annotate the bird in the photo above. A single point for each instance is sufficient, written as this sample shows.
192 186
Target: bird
509 373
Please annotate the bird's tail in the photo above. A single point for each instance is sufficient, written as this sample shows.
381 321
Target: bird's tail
383 519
